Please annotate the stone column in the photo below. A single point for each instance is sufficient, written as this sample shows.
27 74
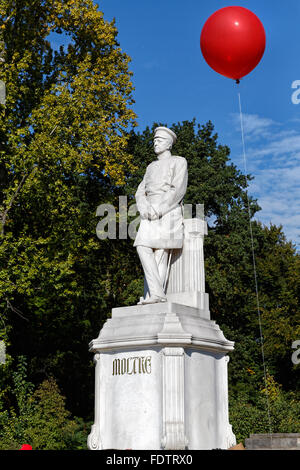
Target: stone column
187 264
186 283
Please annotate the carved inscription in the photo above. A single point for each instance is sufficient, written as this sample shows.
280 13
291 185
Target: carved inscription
132 365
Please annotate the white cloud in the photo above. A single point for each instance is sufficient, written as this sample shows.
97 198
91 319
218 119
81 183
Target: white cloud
273 158
281 146
254 125
278 195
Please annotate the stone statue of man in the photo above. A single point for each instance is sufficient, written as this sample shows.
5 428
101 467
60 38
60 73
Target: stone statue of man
159 201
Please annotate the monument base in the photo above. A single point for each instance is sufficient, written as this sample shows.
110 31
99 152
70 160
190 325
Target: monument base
161 380
277 441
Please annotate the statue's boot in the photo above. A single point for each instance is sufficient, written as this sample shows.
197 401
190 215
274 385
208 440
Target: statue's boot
153 299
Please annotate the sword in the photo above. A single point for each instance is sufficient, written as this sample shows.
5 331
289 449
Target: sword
168 271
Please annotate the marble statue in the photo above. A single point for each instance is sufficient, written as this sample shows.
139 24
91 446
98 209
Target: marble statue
159 200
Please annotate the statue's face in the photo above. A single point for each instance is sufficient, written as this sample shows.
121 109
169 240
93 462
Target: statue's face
162 143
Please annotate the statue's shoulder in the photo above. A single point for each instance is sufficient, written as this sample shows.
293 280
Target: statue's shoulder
180 160
151 164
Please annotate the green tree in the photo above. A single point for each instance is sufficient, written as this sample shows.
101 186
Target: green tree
39 417
63 145
279 270
255 417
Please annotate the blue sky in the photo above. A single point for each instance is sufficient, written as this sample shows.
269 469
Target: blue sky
173 83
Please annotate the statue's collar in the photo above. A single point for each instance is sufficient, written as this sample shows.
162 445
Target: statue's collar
164 157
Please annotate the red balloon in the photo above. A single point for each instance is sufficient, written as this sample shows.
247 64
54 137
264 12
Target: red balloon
233 41
26 447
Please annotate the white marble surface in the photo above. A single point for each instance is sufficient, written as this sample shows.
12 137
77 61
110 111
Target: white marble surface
181 402
130 403
207 410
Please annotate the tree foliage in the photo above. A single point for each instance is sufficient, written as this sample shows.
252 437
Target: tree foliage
280 415
64 125
38 417
63 146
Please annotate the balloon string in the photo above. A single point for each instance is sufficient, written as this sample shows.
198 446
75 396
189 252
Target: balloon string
254 268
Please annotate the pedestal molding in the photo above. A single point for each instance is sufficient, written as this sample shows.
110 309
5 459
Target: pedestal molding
94 438
173 400
172 324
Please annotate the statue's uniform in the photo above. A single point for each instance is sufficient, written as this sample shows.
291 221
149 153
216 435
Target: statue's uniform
162 189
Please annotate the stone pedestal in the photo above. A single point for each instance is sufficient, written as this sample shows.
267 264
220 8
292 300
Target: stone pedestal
161 380
161 369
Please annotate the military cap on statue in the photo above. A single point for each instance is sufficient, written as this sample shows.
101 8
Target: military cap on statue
162 131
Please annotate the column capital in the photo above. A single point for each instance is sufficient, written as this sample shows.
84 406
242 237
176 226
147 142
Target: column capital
194 228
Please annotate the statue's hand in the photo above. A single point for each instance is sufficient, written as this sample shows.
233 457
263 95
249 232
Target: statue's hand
150 214
144 215
154 215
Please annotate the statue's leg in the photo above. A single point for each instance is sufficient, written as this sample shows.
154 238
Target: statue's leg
151 272
161 258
